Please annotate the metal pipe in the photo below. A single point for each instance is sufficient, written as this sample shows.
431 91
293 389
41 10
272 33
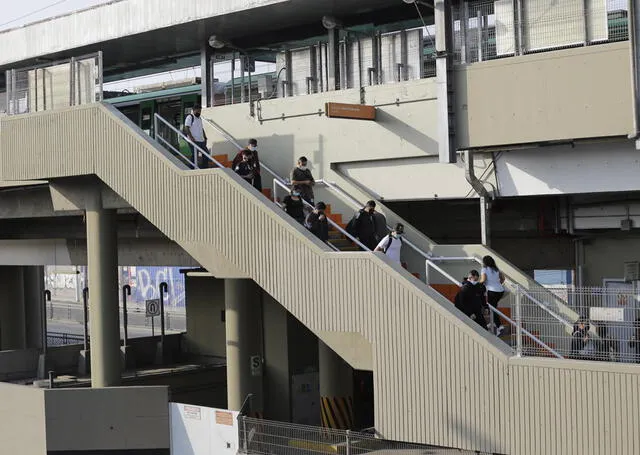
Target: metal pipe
126 290
470 175
164 288
47 298
72 82
85 318
518 322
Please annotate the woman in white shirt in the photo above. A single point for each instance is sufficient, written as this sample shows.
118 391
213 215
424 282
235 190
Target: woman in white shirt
492 278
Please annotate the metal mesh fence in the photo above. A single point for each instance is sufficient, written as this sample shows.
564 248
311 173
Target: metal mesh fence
486 30
69 82
605 323
63 339
279 438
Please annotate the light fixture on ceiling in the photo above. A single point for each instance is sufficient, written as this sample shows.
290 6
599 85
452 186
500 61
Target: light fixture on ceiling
330 22
216 42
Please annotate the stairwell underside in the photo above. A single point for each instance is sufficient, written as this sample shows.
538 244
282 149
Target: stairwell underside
438 378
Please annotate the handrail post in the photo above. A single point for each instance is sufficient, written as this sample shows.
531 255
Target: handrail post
85 318
47 298
518 322
126 290
426 273
164 288
348 437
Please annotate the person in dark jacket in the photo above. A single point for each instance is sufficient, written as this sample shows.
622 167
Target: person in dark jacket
294 205
245 168
579 336
252 147
364 226
317 222
470 298
302 178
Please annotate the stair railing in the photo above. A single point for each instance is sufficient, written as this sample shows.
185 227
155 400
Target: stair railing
278 184
355 204
235 143
545 306
518 325
196 149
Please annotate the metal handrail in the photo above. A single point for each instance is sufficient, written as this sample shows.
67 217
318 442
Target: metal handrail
277 183
542 305
197 148
357 205
541 343
235 143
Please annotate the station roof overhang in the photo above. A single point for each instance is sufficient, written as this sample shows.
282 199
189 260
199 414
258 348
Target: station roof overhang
159 43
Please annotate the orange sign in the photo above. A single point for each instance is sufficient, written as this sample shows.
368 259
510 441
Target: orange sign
352 111
224 418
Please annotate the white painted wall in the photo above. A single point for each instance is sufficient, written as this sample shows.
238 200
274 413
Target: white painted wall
400 146
196 430
593 168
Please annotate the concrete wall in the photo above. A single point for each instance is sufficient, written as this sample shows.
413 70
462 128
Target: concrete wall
606 166
124 418
401 144
575 93
22 417
604 256
205 324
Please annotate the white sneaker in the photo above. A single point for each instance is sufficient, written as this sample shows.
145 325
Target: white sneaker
500 330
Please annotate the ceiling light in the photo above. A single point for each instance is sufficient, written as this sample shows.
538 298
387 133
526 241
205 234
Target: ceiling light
216 43
330 22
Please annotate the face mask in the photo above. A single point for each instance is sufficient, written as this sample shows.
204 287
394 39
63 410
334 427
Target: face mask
303 168
295 194
197 115
398 235
252 148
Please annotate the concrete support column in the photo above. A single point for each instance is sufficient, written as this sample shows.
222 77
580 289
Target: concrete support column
34 304
444 80
102 256
243 326
206 76
336 389
12 309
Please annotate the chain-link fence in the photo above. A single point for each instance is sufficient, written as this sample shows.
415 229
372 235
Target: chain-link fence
63 339
486 30
279 438
606 324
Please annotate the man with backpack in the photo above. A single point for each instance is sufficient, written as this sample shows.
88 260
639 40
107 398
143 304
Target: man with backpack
471 297
364 225
391 244
252 147
194 130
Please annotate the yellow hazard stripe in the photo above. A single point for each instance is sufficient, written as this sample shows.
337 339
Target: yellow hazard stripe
337 412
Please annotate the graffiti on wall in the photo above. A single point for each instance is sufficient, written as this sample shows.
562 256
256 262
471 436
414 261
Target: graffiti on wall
145 284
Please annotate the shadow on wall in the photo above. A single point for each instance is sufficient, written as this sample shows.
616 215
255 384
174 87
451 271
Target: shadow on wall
276 151
407 132
472 435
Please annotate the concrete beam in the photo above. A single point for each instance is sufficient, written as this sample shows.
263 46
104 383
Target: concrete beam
71 195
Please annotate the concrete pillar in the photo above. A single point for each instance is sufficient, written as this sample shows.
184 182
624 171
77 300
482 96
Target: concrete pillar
102 259
336 389
277 397
12 309
243 326
444 81
34 304
206 76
